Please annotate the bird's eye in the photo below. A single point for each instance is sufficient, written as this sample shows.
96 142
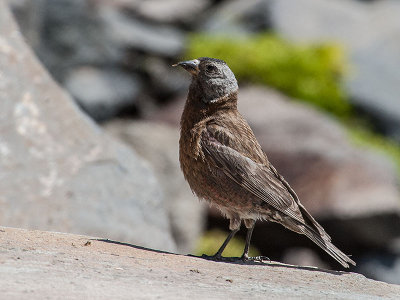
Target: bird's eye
211 68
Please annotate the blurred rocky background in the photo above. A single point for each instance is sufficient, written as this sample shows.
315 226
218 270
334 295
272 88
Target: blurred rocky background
320 86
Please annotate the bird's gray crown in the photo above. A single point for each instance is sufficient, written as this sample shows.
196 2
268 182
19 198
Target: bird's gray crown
215 79
211 77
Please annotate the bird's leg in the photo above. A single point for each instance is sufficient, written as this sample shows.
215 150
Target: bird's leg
234 226
245 255
249 223
228 238
218 255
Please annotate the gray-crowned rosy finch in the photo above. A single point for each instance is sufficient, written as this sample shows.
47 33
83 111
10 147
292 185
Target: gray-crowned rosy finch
224 164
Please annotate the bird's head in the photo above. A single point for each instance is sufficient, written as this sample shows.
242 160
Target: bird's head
211 76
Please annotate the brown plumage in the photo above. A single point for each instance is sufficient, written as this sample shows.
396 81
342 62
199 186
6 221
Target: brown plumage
224 164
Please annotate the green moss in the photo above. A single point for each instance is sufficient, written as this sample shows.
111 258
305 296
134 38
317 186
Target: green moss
210 242
310 72
366 138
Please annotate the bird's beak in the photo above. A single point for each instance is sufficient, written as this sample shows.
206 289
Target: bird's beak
192 66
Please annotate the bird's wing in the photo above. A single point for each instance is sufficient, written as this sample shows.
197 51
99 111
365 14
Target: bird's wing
258 179
261 180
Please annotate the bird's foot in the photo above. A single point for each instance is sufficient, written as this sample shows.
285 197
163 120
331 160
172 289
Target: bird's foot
211 257
219 257
255 258
243 258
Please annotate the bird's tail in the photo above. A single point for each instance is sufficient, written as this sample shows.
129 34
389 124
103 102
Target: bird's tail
325 243
312 229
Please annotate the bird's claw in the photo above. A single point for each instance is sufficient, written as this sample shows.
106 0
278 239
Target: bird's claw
218 257
255 258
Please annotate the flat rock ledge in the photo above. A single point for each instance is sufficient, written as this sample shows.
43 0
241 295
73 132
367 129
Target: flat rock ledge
52 265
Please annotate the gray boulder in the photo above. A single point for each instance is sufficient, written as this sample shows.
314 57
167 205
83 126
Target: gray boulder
132 33
237 17
71 34
102 93
169 11
58 170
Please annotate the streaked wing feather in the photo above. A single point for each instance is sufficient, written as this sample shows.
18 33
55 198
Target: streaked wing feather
256 178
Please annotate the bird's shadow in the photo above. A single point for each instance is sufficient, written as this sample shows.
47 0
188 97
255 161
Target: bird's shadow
231 260
269 263
133 246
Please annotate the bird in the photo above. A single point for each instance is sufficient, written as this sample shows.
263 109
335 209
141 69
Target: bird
225 165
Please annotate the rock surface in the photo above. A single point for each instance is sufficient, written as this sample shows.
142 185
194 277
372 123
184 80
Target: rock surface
58 170
58 265
158 144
